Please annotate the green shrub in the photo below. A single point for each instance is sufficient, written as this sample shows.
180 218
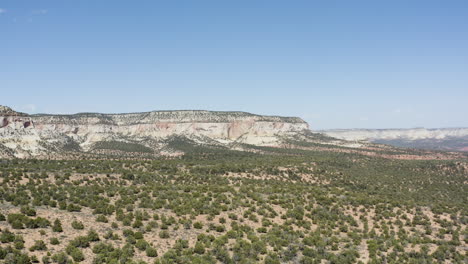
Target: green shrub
19 244
57 227
199 248
102 219
77 255
151 252
198 225
38 245
164 234
7 236
54 241
28 211
77 225
93 236
141 244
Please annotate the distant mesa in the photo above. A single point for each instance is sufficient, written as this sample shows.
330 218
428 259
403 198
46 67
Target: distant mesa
35 135
446 139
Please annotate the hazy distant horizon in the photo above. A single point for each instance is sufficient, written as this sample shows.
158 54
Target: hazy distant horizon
218 110
337 65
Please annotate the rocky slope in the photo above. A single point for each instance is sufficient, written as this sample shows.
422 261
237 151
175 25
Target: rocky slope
23 135
452 139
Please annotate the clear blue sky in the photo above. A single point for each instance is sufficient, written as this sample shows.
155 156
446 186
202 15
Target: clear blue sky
337 64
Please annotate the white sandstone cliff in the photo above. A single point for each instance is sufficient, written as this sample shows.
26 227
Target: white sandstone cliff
33 135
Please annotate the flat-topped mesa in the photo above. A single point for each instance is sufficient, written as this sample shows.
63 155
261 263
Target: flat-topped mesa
159 124
447 139
180 116
150 128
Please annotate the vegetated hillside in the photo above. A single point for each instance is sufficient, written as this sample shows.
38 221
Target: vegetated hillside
309 201
447 144
446 139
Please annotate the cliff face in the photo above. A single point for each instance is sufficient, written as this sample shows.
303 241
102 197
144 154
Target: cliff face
33 135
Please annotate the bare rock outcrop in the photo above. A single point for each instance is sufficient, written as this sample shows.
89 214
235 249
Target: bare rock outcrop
34 135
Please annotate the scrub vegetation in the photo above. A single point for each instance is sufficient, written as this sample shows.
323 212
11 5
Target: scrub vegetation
223 206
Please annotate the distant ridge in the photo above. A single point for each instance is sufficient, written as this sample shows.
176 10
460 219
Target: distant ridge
191 114
448 139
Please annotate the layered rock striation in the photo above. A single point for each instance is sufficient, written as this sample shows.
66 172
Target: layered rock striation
32 135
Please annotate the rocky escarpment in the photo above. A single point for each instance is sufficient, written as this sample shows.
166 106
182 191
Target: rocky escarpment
8 116
24 135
